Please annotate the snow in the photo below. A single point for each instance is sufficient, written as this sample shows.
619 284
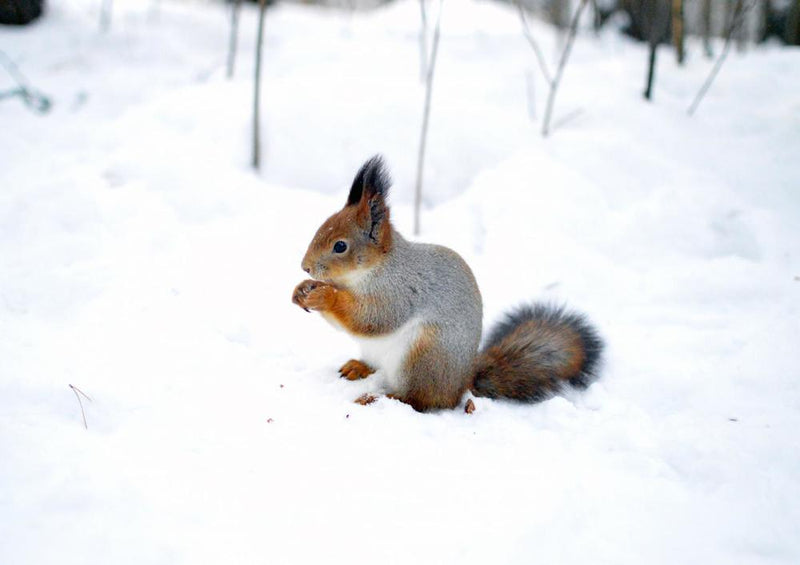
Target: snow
143 262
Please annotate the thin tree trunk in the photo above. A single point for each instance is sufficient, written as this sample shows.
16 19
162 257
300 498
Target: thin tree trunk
262 9
792 33
235 9
677 30
431 66
763 16
423 41
706 27
654 37
731 7
651 70
573 30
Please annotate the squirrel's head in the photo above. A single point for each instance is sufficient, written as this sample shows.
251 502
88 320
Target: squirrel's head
355 239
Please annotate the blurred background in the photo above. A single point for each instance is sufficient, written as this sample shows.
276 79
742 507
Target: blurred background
702 18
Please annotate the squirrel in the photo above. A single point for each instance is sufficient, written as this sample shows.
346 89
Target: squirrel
416 311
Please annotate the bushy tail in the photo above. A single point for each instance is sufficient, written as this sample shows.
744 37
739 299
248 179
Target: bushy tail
534 352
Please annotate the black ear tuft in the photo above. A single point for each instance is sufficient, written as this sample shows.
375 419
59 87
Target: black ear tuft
372 179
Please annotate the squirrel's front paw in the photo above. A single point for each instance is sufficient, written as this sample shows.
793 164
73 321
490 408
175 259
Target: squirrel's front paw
313 295
355 369
301 293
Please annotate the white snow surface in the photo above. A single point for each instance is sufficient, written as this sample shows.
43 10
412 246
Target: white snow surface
142 261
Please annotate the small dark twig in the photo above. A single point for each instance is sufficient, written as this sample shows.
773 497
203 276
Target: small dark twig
78 393
35 100
739 13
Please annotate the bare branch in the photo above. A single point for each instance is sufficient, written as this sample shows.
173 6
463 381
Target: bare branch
739 13
425 118
78 393
573 30
257 89
532 41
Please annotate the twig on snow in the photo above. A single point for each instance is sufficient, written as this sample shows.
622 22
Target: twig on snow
78 393
36 101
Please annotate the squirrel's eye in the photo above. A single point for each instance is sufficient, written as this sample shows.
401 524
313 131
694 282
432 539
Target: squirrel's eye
339 247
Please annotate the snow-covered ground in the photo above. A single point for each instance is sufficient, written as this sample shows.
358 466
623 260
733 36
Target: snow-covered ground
143 262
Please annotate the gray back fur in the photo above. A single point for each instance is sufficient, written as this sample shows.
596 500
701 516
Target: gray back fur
432 283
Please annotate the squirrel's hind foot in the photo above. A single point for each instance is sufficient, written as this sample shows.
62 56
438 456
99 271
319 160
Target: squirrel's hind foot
366 399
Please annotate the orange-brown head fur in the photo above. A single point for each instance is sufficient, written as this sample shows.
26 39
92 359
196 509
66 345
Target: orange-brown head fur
357 238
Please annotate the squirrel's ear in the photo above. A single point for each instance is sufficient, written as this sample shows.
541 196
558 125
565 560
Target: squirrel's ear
368 193
371 180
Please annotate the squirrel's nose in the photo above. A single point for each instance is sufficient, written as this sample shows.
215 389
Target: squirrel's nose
306 268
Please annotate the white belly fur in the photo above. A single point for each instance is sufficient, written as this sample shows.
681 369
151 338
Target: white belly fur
387 353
